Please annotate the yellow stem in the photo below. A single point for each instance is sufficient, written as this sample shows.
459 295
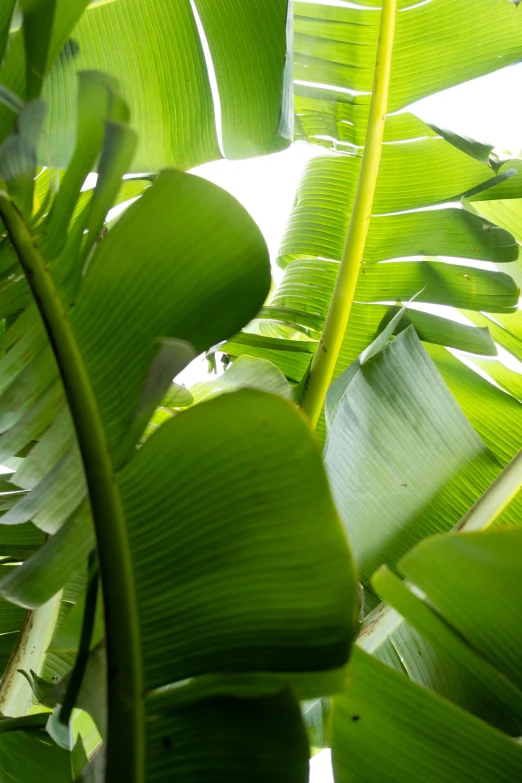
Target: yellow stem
334 330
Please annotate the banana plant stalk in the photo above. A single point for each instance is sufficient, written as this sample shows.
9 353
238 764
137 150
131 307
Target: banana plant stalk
325 359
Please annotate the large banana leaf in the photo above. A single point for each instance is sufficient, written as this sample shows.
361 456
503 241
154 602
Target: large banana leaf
388 729
438 44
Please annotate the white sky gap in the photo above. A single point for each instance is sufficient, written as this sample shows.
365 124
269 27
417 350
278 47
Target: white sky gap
214 89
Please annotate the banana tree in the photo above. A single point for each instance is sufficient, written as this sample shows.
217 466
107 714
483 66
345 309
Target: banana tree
223 599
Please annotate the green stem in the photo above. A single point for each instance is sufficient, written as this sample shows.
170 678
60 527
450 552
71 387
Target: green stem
336 322
25 723
75 683
494 500
125 747
379 624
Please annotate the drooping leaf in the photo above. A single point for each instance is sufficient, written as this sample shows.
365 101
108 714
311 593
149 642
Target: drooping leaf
403 460
235 544
206 225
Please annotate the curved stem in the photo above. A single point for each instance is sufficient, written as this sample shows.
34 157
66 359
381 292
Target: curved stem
125 747
334 330
16 696
77 675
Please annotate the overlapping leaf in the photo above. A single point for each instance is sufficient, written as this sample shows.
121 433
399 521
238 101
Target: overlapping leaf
386 728
472 583
157 52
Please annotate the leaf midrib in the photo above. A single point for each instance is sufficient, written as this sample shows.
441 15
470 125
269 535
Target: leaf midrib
125 751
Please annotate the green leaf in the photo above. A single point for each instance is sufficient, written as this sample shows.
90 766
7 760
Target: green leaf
386 728
38 19
96 94
47 453
508 214
509 380
10 99
6 13
91 696
171 358
447 231
18 155
403 460
245 373
177 397
461 40
39 578
54 498
244 542
495 415
443 331
219 255
446 568
67 636
337 389
230 730
476 149
60 733
309 283
154 49
500 701
264 343
34 757
251 49
45 30
432 172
